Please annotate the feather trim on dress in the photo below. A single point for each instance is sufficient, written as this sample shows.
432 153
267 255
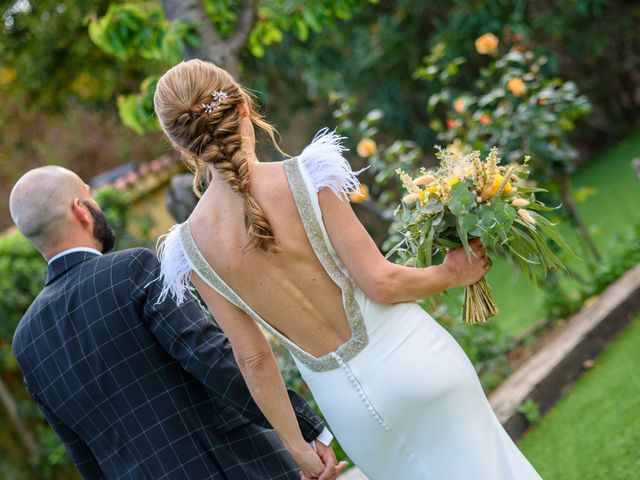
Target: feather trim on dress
175 270
323 161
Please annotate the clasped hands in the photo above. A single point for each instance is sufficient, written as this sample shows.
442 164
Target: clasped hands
324 466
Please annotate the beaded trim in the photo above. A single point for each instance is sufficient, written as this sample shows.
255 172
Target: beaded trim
300 190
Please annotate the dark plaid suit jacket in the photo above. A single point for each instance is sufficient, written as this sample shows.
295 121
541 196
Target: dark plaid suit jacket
142 390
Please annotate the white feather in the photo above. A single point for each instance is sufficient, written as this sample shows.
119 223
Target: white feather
323 161
175 270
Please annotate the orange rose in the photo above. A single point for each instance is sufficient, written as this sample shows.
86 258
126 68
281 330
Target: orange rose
543 101
516 86
366 147
458 105
451 123
360 195
484 119
486 44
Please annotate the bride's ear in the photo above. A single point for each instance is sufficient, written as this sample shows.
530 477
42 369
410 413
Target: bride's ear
243 109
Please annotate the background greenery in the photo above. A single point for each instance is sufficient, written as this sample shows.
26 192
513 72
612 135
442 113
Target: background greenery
592 432
67 96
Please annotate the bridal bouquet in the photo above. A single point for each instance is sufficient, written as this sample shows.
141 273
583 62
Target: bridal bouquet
468 197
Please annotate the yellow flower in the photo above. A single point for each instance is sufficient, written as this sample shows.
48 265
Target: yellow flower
411 198
490 191
453 180
425 179
7 75
519 202
526 216
361 195
486 44
516 86
423 196
366 147
432 189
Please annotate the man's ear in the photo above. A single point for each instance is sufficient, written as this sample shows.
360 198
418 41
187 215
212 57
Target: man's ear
80 211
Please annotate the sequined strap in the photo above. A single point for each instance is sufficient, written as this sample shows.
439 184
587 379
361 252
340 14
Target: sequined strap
200 265
306 199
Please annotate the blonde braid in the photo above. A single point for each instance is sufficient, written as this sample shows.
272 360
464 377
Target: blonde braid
210 136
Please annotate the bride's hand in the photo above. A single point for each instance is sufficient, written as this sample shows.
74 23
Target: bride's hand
462 271
308 460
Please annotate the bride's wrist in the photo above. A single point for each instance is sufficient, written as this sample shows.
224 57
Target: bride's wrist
445 277
296 446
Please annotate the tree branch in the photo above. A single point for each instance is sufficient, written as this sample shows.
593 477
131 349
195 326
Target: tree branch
244 25
12 411
221 51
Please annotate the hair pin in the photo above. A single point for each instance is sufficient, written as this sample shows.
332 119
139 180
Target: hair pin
218 96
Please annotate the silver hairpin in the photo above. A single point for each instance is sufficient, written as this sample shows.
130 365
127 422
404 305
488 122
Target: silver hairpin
218 96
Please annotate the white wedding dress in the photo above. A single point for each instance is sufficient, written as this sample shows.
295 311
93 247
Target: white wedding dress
401 397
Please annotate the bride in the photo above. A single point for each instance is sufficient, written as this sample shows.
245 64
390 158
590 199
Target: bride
277 245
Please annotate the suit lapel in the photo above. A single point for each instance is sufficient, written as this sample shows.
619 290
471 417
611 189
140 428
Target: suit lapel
65 263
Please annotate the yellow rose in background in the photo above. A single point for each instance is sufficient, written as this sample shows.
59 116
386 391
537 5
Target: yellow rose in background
366 147
516 86
361 195
487 44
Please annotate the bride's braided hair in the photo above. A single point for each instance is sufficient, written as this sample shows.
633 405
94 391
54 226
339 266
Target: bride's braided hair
204 129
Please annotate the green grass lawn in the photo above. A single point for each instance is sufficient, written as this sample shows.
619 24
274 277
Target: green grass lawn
610 209
593 433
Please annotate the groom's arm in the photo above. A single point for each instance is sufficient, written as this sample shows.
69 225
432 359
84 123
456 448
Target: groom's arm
190 336
77 449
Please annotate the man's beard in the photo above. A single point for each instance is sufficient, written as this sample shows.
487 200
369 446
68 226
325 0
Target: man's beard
101 229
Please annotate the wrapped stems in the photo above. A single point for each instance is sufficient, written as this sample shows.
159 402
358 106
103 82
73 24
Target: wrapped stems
478 303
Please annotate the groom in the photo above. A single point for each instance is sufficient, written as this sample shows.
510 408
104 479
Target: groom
133 387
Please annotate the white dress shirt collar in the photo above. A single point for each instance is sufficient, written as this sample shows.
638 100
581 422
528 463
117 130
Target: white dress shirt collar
72 250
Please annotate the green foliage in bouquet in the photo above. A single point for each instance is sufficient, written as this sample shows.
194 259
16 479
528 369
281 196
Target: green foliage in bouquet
466 198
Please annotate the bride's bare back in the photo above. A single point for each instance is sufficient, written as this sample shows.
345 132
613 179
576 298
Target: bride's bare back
290 289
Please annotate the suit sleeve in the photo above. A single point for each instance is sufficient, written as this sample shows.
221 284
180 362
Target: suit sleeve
77 449
189 334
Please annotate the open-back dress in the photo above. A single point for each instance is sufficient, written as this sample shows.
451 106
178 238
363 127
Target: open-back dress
400 395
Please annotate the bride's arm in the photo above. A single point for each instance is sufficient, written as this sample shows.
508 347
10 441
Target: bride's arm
382 280
260 371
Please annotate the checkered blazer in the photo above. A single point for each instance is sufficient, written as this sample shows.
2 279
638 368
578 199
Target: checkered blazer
141 390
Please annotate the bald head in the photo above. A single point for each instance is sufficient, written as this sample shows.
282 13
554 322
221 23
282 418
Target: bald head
41 201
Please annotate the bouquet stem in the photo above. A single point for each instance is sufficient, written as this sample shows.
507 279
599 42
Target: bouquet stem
478 303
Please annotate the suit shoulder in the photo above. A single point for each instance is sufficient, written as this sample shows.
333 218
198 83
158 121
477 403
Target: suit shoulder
142 256
129 257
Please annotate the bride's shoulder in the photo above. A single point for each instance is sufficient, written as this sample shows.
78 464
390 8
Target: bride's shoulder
326 166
